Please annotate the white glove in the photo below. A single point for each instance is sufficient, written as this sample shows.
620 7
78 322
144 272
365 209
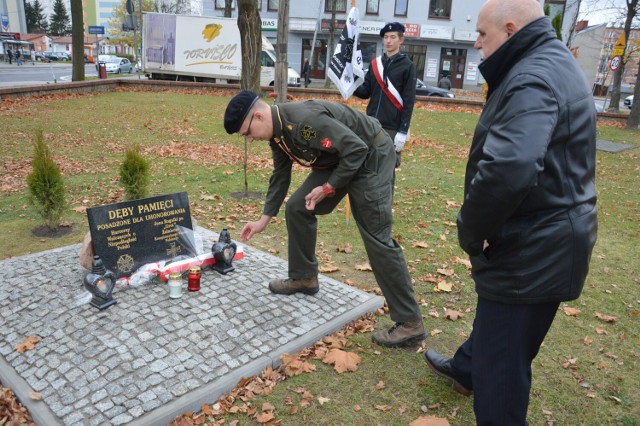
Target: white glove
399 141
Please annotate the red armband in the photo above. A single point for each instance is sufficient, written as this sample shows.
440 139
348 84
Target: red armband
328 192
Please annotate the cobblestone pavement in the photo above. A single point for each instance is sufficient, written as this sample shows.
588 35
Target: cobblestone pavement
150 358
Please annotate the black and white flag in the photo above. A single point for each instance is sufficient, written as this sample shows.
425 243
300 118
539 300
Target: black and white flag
345 69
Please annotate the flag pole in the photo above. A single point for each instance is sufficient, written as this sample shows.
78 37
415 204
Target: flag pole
347 207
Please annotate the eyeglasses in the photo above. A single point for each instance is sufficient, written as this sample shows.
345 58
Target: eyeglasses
246 134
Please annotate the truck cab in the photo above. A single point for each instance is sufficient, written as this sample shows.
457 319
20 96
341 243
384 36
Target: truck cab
268 63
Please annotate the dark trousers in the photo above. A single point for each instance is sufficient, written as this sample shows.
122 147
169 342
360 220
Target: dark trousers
495 361
370 197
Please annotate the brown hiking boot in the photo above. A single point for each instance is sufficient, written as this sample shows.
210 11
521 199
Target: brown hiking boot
401 334
290 286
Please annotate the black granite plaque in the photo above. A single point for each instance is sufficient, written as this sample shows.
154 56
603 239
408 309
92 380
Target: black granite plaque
130 234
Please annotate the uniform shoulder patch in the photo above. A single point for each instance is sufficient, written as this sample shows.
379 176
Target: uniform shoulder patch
307 132
326 143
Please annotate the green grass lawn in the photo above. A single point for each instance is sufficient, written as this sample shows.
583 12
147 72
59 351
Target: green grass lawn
587 370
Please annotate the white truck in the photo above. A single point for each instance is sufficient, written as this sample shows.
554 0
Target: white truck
199 48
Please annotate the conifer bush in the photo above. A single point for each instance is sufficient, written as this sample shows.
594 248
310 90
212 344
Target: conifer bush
134 174
45 184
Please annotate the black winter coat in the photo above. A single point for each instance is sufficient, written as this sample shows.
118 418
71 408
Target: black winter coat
530 178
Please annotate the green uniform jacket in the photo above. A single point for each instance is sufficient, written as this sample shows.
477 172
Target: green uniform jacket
320 135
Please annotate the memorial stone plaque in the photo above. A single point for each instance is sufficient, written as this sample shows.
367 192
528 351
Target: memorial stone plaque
133 233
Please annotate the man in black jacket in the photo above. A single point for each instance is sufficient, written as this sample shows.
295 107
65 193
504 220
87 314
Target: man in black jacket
390 86
528 219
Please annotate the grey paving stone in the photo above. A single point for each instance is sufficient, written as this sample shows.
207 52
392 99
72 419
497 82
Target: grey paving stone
119 365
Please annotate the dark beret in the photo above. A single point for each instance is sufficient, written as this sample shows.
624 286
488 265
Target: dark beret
392 26
238 109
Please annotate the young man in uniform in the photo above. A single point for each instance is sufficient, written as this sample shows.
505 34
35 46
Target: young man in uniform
390 86
349 154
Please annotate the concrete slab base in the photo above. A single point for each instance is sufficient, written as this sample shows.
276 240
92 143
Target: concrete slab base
150 358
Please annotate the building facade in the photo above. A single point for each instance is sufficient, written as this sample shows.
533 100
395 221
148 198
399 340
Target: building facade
439 38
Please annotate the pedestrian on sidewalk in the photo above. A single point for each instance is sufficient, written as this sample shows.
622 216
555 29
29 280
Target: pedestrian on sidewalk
444 82
10 56
33 57
306 70
18 57
528 220
349 154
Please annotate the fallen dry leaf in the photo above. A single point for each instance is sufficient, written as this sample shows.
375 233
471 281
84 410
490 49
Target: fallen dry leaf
28 344
322 400
384 408
420 244
606 318
357 408
429 421
571 363
571 312
453 315
587 341
326 268
265 417
36 396
342 361
346 249
443 286
435 331
380 385
363 267
445 272
292 365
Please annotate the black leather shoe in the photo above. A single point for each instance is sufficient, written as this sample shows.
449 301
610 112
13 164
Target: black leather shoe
442 367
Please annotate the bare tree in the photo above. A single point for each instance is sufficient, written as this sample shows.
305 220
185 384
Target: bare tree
630 13
77 40
634 116
282 63
249 24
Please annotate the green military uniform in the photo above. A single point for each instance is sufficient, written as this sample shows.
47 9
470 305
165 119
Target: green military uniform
350 151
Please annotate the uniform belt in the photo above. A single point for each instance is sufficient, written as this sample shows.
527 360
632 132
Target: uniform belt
379 138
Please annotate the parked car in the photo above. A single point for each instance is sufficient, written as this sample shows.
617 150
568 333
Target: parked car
57 56
118 65
628 101
41 57
423 89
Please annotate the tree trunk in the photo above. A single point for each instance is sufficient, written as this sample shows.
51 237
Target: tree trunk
77 40
250 25
634 116
614 106
330 47
282 64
